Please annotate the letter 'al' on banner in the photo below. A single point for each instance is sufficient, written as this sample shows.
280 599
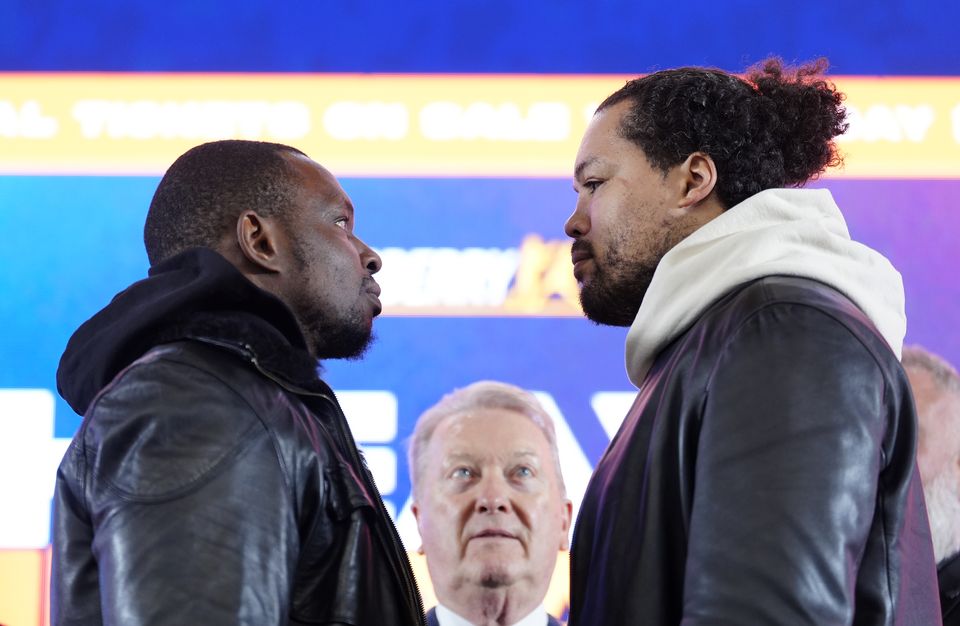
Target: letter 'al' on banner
405 125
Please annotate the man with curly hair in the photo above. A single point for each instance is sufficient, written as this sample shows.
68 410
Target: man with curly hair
766 472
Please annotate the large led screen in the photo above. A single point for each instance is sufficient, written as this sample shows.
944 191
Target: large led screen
462 183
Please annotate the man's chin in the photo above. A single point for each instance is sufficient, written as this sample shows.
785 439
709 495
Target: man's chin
605 310
495 576
347 345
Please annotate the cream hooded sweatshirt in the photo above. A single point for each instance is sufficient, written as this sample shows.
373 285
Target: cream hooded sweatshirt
790 232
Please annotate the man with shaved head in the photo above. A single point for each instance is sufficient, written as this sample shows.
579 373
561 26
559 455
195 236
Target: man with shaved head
214 479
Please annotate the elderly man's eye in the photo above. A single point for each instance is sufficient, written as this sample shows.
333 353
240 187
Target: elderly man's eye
462 472
342 222
523 471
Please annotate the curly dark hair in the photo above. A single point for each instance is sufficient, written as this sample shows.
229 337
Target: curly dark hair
200 197
775 128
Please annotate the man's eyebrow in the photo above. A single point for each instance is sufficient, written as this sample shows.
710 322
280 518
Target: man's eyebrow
460 456
582 165
347 207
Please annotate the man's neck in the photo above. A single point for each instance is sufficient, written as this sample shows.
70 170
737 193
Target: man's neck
492 607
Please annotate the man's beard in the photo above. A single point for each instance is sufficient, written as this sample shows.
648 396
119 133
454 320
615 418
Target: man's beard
943 509
620 281
613 294
335 339
328 337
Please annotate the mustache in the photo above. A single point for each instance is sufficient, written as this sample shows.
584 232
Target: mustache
581 247
371 285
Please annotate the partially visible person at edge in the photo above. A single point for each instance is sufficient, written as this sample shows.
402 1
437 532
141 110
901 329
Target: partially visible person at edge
766 472
936 391
214 479
490 504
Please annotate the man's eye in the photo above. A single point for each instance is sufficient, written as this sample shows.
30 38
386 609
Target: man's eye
462 472
523 472
342 222
592 185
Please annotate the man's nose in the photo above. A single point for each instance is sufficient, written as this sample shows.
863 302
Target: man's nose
493 496
578 224
368 257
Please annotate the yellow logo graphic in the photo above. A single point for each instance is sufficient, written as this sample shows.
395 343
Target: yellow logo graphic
534 280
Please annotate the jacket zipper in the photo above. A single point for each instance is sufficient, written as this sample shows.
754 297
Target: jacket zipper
407 575
573 542
408 582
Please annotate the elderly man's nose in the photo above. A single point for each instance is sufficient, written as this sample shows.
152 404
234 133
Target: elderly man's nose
493 496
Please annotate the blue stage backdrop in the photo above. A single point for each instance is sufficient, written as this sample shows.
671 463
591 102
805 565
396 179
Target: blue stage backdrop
476 277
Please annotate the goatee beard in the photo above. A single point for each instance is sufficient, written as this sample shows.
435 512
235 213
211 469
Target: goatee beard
344 341
614 301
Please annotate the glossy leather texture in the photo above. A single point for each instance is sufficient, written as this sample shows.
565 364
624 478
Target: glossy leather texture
214 479
765 475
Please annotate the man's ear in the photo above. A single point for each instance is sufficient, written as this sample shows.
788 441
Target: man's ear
567 514
258 240
415 509
699 177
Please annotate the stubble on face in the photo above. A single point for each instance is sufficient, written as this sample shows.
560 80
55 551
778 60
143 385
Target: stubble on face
623 272
329 336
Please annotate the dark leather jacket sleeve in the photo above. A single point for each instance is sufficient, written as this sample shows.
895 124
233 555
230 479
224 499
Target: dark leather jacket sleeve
189 511
792 441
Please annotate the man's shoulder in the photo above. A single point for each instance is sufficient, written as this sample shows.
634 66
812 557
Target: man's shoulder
793 318
169 378
789 290
168 419
801 303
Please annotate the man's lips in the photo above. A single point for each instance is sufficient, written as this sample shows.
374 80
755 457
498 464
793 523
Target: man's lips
493 533
373 290
579 253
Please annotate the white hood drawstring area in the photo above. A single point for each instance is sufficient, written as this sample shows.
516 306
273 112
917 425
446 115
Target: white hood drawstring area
787 232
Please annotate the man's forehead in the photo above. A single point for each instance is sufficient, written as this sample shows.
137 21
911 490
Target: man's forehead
588 162
317 181
602 136
606 122
470 426
455 454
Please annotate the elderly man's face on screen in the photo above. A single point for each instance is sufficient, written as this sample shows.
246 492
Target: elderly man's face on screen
490 507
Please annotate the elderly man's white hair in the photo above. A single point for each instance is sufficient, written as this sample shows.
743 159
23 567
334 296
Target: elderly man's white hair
485 394
942 372
941 492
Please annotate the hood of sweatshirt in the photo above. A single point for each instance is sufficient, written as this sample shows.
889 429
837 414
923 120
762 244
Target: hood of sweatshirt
195 291
790 232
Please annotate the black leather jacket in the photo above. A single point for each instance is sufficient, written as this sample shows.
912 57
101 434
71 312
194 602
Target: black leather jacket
764 475
948 574
214 479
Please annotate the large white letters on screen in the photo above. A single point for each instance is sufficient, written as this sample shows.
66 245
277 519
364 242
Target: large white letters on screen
611 407
372 416
29 457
